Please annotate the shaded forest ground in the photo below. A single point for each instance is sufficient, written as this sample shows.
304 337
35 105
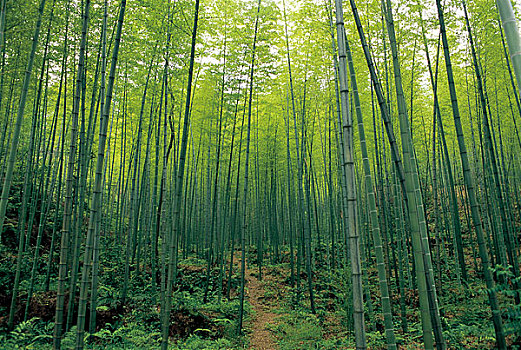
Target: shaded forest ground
276 317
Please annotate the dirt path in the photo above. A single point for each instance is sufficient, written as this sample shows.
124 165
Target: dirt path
260 337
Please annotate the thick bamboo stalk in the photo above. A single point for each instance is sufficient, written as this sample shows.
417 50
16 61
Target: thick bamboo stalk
348 168
471 191
509 21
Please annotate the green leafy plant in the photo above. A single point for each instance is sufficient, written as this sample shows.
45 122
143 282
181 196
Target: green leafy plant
506 288
195 341
131 335
298 331
28 334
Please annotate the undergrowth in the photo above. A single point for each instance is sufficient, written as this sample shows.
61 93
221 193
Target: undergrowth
136 325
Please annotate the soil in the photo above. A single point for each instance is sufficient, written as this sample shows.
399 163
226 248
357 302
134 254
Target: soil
183 323
43 307
260 337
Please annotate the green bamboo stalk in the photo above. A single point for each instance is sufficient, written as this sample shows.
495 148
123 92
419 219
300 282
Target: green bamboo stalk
509 21
409 182
95 210
373 213
172 266
469 182
4 197
455 209
68 207
415 190
302 233
512 254
246 176
348 167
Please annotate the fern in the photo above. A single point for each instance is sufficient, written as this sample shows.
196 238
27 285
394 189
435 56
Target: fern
506 287
28 334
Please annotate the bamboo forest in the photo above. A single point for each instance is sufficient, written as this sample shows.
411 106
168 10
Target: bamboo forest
260 174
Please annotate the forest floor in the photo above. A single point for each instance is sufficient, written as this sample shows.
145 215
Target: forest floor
261 337
281 320
276 317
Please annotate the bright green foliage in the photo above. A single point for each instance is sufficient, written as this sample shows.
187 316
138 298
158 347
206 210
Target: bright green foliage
174 171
